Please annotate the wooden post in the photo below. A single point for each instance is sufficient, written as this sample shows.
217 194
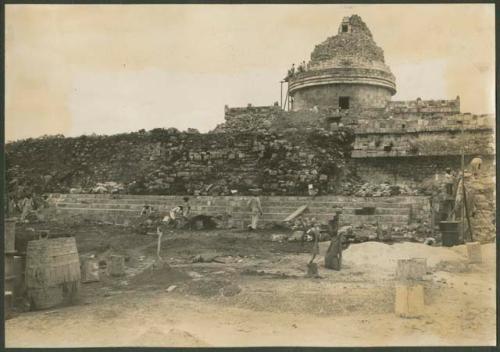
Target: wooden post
409 301
281 94
158 248
467 212
433 220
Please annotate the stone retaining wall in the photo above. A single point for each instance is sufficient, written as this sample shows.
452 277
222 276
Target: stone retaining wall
120 209
412 170
169 162
449 143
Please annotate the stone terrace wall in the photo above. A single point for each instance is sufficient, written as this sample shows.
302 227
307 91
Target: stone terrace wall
424 107
408 128
431 143
387 123
413 171
172 162
121 209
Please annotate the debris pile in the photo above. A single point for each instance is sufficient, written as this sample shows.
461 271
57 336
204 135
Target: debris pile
376 190
357 45
264 119
417 232
256 119
108 187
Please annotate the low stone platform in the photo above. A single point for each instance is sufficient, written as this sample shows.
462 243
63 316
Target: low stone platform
389 211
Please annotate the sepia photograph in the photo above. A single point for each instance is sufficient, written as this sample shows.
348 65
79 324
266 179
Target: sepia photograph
249 175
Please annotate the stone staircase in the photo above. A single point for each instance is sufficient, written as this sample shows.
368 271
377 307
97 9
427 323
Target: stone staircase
390 211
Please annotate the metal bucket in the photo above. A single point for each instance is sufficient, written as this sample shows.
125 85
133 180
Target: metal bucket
450 233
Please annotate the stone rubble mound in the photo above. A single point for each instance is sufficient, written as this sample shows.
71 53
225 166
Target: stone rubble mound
169 162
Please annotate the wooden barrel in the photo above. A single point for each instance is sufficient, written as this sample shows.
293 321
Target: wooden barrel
51 265
46 297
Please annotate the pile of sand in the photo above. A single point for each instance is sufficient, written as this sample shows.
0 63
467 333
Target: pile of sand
381 256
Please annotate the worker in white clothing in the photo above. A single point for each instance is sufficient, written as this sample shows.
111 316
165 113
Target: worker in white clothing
256 209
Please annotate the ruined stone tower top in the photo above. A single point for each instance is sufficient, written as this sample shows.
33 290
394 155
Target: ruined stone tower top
347 70
354 41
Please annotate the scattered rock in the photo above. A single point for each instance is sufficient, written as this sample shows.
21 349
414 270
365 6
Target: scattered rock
278 237
230 290
171 288
194 275
206 258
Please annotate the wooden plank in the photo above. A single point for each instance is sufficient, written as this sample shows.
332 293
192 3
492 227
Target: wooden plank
296 213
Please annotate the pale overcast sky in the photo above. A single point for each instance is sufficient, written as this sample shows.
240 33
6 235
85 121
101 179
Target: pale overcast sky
79 69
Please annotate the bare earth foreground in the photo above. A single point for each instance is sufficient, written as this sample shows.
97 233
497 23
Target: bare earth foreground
256 295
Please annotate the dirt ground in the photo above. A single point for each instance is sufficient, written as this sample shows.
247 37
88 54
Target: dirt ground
256 294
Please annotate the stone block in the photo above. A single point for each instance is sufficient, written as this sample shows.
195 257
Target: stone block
117 265
474 252
90 272
409 301
411 269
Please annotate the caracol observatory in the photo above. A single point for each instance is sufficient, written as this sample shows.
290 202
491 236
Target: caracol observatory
347 71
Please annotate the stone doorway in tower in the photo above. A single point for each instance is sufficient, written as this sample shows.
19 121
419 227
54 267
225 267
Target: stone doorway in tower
344 103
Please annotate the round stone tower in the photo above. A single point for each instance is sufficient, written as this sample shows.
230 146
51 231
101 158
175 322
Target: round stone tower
347 71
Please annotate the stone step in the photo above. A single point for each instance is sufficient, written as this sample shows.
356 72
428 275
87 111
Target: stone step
139 199
283 204
272 202
244 223
389 211
271 217
222 209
